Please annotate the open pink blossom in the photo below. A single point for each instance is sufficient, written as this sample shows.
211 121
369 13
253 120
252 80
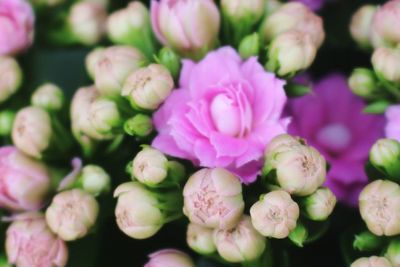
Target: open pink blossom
392 129
16 26
224 113
331 120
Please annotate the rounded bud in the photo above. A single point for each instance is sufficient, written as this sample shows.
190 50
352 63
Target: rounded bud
386 24
373 261
385 156
240 244
10 77
87 21
379 204
169 258
291 52
363 82
320 204
150 166
294 16
200 239
114 66
32 131
95 180
275 214
148 87
91 60
386 63
7 118
250 46
72 214
243 10
49 97
367 241
360 25
140 125
393 252
105 116
169 59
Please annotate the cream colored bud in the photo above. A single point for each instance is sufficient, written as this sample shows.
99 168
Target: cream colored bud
200 239
10 77
386 62
49 97
150 166
360 25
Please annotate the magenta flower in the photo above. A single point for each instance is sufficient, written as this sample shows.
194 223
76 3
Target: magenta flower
331 120
224 113
16 26
314 5
392 129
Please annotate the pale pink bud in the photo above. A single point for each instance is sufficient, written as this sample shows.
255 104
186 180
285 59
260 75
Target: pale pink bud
105 116
386 24
114 66
10 77
360 25
240 244
379 204
91 60
320 204
24 182
72 214
200 239
294 16
190 27
32 131
148 87
87 20
249 11
169 258
373 261
213 198
150 166
48 96
30 243
386 62
275 214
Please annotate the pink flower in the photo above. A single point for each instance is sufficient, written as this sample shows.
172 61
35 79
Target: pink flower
331 120
223 114
30 243
392 129
169 258
24 182
16 26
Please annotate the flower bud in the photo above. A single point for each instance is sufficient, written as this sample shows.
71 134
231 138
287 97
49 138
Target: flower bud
240 244
386 24
250 46
150 166
10 77
320 204
386 63
105 116
385 156
291 52
25 181
366 241
6 122
95 180
360 25
91 60
190 27
373 261
170 60
86 21
49 97
148 87
131 26
72 214
114 66
294 16
32 131
275 214
379 204
363 82
169 258
29 242
393 252
200 239
140 125
213 198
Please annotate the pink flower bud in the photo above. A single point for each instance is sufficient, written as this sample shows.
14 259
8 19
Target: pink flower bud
213 198
169 258
148 87
16 26
114 66
150 166
360 25
87 20
320 204
250 10
386 62
29 242
24 182
200 239
91 60
275 214
190 27
32 131
294 16
105 116
240 244
48 96
72 214
10 77
373 261
386 24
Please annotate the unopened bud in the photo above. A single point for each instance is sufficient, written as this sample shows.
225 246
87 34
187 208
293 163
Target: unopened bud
169 59
393 252
150 166
169 258
148 87
95 180
386 63
360 25
6 122
385 156
200 239
105 116
386 24
250 46
91 60
363 82
10 77
373 261
320 204
291 52
140 125
367 241
49 97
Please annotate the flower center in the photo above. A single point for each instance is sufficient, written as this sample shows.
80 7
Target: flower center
335 137
225 115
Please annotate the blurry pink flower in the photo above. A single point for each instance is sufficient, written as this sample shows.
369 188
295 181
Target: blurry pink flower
24 182
169 258
331 120
392 129
16 26
223 115
314 5
30 243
